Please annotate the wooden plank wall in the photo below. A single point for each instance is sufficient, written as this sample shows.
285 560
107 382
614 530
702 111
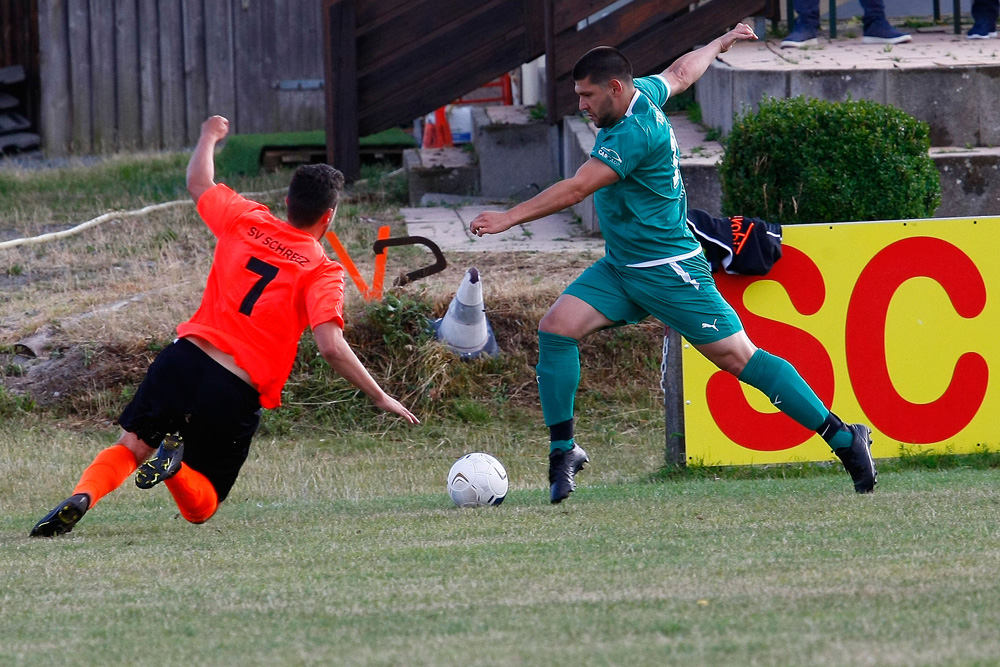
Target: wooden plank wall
434 51
121 75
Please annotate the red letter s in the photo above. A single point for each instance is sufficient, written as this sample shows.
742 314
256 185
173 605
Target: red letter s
769 432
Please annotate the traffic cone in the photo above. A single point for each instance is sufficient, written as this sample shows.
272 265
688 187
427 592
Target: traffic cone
437 134
464 328
443 138
430 135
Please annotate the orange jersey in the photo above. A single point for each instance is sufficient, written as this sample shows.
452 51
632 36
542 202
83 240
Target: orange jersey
268 282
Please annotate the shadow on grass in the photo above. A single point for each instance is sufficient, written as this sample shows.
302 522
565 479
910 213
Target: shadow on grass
908 460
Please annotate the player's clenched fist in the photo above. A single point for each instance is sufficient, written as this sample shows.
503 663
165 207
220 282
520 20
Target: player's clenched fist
490 222
740 32
215 127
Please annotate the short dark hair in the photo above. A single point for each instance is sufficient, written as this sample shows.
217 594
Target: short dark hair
313 190
601 64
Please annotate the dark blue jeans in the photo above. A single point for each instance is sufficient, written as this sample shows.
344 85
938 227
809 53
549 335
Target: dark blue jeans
807 12
985 11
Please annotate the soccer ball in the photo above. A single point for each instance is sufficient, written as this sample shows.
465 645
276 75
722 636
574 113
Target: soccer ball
477 479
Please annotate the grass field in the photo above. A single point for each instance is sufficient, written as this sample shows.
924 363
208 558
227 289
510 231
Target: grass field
339 545
334 553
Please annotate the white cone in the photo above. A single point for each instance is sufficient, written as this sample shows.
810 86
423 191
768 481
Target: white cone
464 327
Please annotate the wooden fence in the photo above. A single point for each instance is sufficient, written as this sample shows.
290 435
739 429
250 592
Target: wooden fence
144 74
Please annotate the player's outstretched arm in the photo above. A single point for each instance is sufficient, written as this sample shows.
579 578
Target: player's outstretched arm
588 179
338 353
688 68
201 166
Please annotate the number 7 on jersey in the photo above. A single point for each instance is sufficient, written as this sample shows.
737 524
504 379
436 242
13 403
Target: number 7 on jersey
267 273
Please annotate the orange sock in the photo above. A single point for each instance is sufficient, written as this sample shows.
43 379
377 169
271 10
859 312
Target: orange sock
110 468
194 494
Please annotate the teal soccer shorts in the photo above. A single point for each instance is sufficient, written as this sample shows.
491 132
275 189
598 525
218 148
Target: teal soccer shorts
680 294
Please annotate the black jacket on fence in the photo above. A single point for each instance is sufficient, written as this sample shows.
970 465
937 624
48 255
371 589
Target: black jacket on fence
748 246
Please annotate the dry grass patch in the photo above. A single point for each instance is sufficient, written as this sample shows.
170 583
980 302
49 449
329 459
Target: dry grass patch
96 307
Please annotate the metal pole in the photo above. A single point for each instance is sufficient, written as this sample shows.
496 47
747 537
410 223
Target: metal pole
672 383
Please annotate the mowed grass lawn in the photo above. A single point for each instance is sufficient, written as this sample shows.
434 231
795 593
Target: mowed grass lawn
339 545
336 552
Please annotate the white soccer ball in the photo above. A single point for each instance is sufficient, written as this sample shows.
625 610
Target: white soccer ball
477 479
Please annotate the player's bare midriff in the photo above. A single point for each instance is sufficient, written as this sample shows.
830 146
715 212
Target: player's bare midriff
225 360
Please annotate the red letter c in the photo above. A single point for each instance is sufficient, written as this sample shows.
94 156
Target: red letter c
890 413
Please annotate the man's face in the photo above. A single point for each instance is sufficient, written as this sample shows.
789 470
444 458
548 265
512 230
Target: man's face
598 100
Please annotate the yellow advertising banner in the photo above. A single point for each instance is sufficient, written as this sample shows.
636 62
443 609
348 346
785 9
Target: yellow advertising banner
893 324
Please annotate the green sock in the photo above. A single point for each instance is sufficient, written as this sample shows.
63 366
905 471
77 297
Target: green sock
563 445
841 439
558 374
835 432
785 388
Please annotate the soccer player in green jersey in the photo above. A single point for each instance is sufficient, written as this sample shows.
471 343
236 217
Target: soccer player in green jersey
653 264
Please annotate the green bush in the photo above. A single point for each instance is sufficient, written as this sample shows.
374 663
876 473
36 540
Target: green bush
806 160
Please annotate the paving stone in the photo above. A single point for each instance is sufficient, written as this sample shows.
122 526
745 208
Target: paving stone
449 229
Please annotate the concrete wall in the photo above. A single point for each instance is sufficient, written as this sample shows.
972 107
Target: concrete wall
518 156
958 103
970 182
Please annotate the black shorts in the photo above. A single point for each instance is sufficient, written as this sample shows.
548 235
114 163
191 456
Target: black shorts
216 413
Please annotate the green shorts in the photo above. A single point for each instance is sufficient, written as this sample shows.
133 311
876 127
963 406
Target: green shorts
680 294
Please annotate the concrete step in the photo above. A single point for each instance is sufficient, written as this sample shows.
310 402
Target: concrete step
518 154
451 171
512 156
944 79
970 181
448 227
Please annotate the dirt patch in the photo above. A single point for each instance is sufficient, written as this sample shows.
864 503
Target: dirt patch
71 379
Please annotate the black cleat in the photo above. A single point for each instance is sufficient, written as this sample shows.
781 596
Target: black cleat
563 466
163 465
858 459
63 517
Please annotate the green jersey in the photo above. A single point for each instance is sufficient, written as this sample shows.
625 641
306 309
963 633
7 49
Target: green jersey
643 216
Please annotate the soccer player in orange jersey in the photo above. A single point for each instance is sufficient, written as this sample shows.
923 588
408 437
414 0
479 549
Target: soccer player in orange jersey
192 418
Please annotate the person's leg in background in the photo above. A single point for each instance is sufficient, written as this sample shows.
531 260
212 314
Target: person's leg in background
877 29
984 19
806 25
